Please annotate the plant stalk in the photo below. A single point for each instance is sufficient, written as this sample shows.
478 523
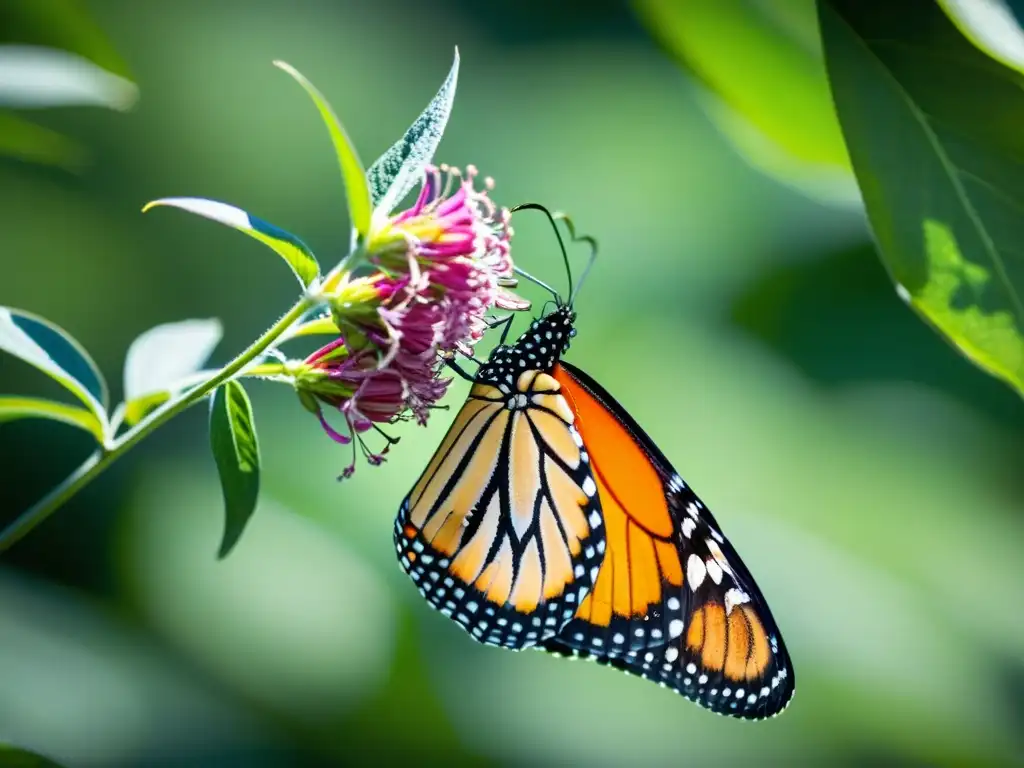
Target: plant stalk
99 461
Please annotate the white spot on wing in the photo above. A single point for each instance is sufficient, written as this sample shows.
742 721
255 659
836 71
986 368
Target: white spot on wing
696 571
734 597
675 628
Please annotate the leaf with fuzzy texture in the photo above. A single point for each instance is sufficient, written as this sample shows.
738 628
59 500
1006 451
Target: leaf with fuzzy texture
399 169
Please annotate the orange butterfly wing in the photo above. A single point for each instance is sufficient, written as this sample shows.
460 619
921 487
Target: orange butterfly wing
502 533
672 602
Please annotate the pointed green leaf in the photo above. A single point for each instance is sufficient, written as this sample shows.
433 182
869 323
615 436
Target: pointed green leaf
934 131
64 24
290 248
34 76
159 359
52 350
992 26
762 62
237 453
33 143
14 408
359 205
399 169
15 757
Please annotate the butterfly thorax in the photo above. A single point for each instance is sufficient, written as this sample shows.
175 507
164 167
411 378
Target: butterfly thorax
539 348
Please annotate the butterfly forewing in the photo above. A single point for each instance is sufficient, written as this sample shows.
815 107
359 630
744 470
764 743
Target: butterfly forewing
503 531
672 602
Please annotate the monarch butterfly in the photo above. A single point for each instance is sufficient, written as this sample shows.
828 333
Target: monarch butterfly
549 519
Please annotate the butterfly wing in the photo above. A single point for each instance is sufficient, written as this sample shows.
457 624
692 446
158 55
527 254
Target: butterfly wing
673 601
502 532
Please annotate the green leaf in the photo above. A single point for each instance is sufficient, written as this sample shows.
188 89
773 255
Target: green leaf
14 408
33 143
934 131
34 77
160 358
992 26
359 205
399 169
52 350
764 66
237 453
64 24
15 757
296 253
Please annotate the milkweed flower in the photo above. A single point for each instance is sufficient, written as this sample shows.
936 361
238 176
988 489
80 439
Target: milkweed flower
440 267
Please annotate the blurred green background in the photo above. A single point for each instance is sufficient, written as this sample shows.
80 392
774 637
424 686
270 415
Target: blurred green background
868 475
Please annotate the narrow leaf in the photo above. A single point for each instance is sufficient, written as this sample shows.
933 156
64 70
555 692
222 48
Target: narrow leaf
359 205
286 245
52 350
33 143
400 168
320 326
237 454
15 757
933 128
67 25
14 408
161 357
33 77
763 67
992 26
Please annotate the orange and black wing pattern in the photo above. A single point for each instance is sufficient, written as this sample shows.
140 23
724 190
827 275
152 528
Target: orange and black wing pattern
503 531
672 601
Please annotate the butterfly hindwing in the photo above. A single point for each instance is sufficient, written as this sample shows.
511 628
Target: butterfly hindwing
673 602
503 531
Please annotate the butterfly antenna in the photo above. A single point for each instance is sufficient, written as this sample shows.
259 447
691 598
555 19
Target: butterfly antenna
536 281
575 238
558 234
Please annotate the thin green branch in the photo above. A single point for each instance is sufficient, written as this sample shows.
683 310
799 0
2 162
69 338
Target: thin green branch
103 458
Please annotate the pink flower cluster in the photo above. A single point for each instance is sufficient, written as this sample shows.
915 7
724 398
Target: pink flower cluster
441 266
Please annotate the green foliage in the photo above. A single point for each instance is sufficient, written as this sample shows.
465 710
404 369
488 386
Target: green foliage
991 26
296 253
357 190
52 350
63 24
768 91
159 360
57 43
14 408
933 128
15 757
398 170
24 140
237 454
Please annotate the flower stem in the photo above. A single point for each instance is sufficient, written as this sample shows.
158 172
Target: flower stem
106 456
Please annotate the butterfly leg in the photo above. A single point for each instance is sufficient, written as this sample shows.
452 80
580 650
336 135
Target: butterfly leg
459 370
504 322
